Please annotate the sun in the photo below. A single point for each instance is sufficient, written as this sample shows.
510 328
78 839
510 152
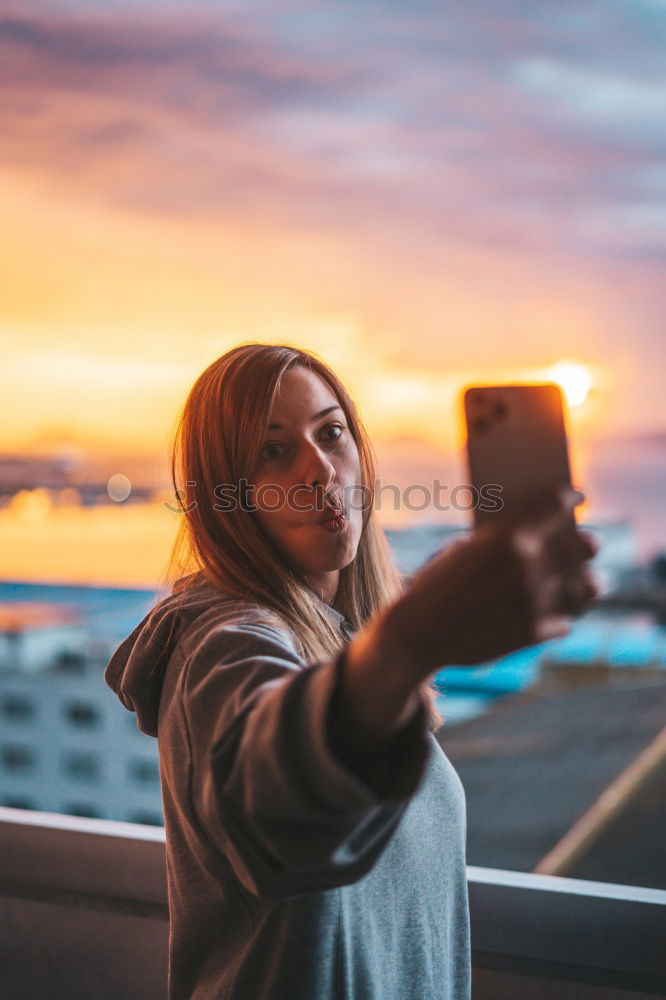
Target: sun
574 380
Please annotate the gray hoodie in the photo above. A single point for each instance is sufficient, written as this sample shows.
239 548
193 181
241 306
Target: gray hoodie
292 874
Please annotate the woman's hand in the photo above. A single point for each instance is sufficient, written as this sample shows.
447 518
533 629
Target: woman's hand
508 585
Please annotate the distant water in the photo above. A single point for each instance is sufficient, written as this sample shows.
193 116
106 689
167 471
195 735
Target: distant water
628 480
111 612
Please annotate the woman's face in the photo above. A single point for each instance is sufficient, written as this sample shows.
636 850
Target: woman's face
303 444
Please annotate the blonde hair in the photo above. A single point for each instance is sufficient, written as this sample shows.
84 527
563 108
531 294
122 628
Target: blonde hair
217 440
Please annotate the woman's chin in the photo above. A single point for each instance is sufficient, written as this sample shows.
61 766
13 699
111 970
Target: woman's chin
329 560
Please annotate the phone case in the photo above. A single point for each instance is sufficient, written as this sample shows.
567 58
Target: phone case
516 445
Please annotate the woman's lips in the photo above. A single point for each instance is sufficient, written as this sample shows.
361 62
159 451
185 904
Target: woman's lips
334 523
330 513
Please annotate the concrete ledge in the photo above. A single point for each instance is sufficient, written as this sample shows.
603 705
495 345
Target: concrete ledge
84 915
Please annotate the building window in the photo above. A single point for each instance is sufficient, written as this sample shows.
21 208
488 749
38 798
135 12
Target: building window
149 818
70 661
81 713
82 809
16 757
81 765
17 707
144 770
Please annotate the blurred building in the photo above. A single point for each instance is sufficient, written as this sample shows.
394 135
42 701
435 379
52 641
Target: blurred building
37 635
66 746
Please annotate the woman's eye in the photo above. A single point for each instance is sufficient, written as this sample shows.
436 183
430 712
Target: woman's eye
269 451
335 427
273 451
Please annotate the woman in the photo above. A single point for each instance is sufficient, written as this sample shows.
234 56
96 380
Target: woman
315 829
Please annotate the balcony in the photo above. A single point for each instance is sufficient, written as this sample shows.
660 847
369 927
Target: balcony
85 915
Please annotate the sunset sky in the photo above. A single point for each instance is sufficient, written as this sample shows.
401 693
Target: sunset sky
425 194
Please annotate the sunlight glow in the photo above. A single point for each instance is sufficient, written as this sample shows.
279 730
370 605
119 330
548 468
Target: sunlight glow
574 379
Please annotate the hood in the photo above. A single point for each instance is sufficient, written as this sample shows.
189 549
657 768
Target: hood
136 669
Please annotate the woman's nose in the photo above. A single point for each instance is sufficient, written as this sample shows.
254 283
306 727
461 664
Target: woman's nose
318 469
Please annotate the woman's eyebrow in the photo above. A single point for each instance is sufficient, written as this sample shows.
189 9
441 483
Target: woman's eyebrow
317 416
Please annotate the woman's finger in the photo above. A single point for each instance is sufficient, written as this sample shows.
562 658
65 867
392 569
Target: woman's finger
589 544
563 594
592 585
568 547
536 529
541 510
577 591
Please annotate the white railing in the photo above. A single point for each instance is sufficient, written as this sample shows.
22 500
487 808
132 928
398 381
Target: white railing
84 914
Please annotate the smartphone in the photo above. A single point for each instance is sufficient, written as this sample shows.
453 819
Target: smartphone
516 446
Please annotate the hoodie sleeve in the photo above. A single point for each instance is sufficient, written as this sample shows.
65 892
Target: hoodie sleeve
271 783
